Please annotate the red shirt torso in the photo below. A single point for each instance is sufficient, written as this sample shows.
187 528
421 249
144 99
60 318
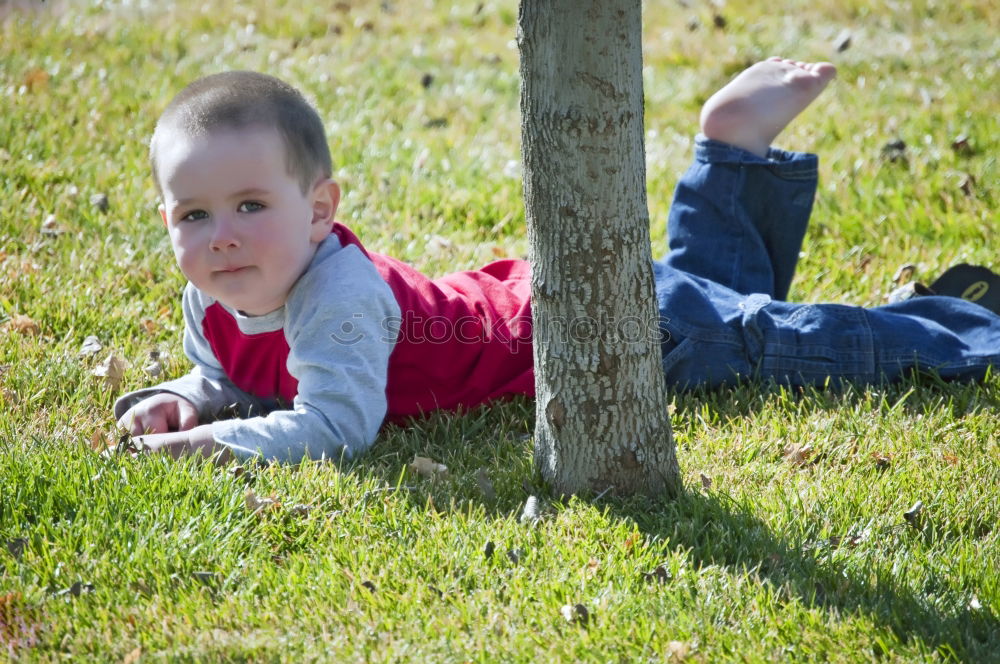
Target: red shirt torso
464 339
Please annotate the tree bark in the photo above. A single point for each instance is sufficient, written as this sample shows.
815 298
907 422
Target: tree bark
601 420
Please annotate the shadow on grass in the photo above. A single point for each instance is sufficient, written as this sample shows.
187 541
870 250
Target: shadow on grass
716 530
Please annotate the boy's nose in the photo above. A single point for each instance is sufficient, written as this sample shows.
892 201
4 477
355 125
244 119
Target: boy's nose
224 235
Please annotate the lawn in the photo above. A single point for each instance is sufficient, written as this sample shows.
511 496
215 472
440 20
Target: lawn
794 539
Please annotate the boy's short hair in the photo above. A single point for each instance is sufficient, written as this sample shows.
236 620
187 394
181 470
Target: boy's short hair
241 99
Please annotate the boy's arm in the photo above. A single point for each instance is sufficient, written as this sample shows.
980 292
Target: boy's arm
341 325
206 386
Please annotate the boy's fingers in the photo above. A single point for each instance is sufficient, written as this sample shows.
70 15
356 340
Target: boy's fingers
152 423
187 415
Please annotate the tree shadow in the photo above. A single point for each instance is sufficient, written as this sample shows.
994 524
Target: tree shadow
715 529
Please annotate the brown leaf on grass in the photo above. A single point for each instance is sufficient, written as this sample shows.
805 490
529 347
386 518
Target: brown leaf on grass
91 346
950 459
300 509
35 79
112 369
429 468
961 145
149 326
904 273
895 150
153 368
659 575
575 613
51 226
257 503
967 184
100 201
590 569
797 453
842 41
706 481
242 474
23 325
100 440
678 651
912 515
838 541
882 460
133 656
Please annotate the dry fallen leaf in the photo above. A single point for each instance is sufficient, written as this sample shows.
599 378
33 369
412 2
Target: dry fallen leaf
912 515
300 509
100 201
91 346
111 370
153 368
428 467
24 325
257 503
678 651
843 41
882 460
904 273
961 145
967 184
36 79
133 656
706 481
575 613
895 150
797 453
51 226
100 441
659 575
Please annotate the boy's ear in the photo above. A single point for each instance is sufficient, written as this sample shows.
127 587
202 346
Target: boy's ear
163 213
325 199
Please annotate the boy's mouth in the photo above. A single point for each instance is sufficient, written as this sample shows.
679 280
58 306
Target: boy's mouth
230 270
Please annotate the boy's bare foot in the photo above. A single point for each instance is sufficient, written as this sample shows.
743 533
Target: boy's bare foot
753 108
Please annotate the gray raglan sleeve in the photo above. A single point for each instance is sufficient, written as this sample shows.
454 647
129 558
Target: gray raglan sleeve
340 330
206 386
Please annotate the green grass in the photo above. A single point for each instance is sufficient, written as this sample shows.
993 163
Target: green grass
775 561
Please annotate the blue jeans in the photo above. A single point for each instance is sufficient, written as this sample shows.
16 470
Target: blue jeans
736 227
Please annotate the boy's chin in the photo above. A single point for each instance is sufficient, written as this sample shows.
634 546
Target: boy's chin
250 307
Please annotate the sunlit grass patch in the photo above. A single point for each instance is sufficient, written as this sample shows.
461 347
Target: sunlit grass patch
792 540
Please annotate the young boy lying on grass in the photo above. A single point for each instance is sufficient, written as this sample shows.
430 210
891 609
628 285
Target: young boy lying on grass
318 340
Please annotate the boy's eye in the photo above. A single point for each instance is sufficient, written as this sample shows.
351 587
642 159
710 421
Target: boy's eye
250 206
194 215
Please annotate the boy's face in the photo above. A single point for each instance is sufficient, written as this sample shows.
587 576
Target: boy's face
242 230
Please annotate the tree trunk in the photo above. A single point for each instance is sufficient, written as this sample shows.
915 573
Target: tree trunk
602 420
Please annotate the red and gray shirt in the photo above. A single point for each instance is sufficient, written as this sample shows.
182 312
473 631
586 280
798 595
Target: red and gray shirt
361 338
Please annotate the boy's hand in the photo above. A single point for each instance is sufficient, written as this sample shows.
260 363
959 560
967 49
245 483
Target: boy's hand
178 443
160 413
